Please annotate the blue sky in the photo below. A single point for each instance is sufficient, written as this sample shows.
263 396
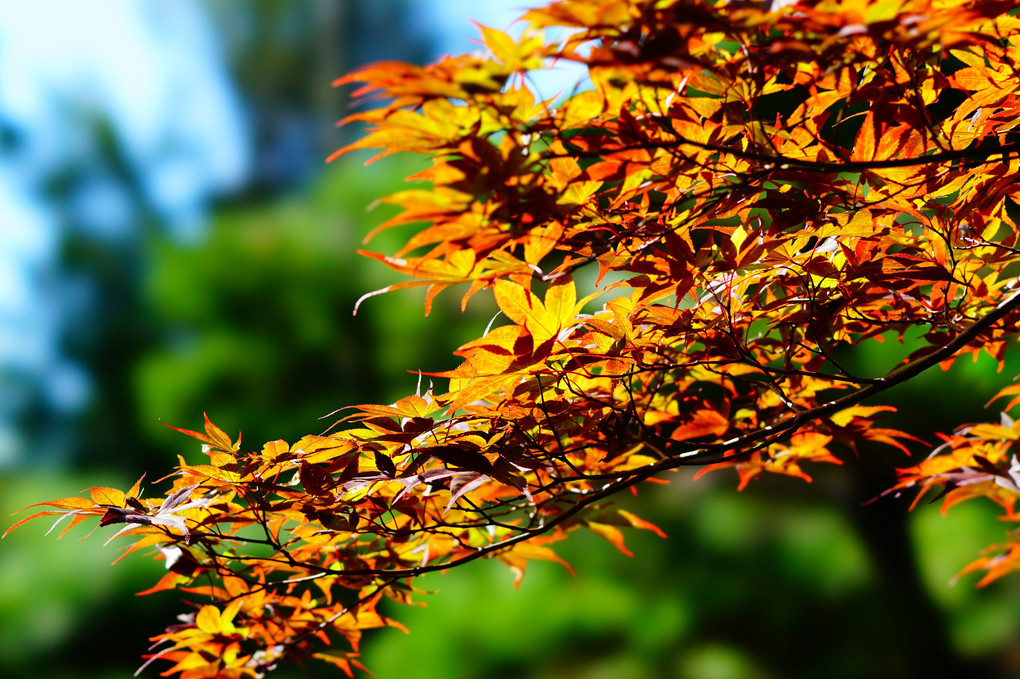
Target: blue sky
451 19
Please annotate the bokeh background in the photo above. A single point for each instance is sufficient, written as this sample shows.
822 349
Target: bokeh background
171 242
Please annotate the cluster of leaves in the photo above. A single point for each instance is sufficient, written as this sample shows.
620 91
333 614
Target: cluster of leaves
754 188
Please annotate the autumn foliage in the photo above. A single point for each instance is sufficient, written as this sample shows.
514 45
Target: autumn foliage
681 251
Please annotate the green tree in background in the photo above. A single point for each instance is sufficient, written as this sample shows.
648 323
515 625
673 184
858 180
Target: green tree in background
258 317
290 118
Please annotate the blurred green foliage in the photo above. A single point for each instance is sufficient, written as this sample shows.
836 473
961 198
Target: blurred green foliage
64 611
777 581
258 317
